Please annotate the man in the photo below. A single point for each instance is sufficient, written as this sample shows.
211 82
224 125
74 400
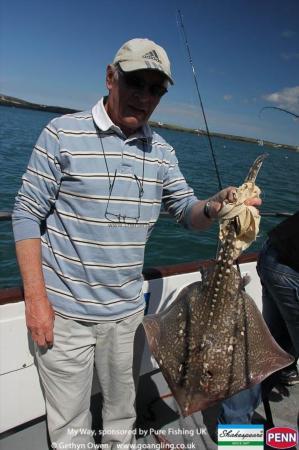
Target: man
91 194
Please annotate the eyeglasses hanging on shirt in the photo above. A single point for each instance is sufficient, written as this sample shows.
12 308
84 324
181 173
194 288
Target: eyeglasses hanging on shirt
125 193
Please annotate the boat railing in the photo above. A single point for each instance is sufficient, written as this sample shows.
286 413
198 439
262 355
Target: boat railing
6 215
16 294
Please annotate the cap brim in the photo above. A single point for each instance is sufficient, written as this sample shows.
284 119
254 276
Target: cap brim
132 66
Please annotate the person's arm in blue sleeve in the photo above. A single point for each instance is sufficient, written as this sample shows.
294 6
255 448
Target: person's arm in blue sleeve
40 185
180 202
178 198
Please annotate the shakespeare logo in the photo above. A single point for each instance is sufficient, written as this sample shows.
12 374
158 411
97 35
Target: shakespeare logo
241 437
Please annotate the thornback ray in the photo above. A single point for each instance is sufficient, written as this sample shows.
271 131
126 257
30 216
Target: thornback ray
212 341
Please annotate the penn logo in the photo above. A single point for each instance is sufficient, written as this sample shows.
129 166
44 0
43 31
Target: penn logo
282 437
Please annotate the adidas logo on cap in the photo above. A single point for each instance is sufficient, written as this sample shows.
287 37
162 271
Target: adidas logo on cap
152 55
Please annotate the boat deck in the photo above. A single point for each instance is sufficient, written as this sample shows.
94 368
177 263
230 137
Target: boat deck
160 416
201 428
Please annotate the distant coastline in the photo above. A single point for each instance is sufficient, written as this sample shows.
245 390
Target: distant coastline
6 100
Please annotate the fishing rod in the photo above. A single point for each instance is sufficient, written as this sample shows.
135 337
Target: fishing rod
279 109
205 120
200 99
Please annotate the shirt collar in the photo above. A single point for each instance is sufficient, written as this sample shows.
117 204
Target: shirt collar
104 123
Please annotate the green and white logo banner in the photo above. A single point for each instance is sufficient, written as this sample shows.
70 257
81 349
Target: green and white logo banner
241 437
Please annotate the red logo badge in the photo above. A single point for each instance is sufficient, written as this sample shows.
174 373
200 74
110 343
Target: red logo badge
281 437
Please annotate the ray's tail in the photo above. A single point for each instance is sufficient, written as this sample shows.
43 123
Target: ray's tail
255 168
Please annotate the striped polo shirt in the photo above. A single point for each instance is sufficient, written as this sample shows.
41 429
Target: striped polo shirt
93 196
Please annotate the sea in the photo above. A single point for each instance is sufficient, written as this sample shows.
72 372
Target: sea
169 243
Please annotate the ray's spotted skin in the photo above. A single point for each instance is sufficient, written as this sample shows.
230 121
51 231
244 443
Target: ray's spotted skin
212 341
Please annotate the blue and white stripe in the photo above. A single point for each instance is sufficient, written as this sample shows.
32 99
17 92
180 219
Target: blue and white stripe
93 267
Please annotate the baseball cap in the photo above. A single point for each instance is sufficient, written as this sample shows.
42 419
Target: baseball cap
139 54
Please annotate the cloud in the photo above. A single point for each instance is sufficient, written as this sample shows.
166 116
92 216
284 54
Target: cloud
287 98
216 71
289 56
227 97
287 34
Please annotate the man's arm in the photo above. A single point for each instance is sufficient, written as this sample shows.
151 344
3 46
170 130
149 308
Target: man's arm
179 199
39 312
34 202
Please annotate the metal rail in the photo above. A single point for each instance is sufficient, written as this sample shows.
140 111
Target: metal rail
164 214
6 215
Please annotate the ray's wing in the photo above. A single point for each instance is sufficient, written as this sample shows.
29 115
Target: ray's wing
207 358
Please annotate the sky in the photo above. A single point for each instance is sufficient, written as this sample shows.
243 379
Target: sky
245 54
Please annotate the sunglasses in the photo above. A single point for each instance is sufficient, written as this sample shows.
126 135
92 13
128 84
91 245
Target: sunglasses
138 83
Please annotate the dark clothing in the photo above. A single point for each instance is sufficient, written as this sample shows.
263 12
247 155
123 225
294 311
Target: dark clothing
280 298
240 407
285 239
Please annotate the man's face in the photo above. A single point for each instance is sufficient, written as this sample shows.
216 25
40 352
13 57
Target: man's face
133 96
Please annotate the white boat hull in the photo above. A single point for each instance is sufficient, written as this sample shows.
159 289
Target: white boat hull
20 390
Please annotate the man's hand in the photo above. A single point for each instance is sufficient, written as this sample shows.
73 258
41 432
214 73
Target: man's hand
38 310
199 219
228 195
40 321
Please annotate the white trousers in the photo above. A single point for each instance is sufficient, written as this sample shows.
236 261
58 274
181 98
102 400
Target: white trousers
66 372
